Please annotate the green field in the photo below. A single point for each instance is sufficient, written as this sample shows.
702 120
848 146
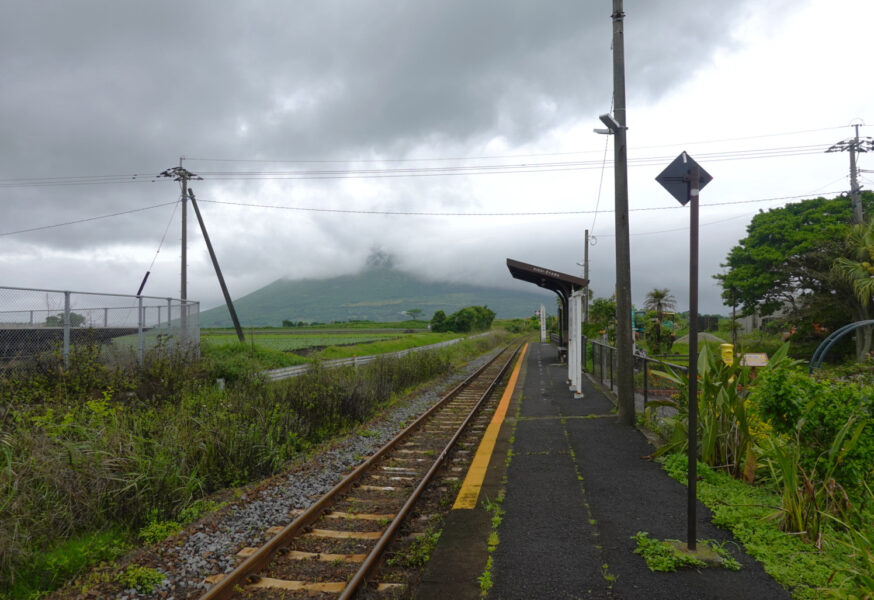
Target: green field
290 342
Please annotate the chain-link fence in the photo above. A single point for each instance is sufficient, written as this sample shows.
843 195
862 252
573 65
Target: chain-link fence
34 322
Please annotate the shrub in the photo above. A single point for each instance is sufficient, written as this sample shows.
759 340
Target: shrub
106 459
471 318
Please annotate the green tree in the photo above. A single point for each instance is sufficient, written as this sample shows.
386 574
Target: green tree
414 313
602 317
438 321
858 272
786 261
76 320
659 301
470 318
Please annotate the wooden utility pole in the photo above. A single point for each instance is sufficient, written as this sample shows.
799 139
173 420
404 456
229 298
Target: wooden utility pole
624 340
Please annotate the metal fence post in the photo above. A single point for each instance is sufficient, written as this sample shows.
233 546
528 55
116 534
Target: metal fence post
169 313
645 381
140 337
601 361
66 329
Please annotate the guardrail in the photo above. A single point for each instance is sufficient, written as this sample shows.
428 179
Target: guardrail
287 372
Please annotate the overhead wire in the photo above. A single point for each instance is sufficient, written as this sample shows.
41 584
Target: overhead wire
488 214
415 171
487 169
76 180
502 156
164 237
86 219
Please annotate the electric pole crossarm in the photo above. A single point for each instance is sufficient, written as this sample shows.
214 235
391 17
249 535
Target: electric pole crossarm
854 145
182 175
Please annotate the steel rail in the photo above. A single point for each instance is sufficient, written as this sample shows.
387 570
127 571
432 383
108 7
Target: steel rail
248 569
373 557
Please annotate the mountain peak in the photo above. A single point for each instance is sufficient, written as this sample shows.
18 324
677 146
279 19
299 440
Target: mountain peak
379 293
380 259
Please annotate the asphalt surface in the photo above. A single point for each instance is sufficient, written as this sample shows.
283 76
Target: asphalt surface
577 489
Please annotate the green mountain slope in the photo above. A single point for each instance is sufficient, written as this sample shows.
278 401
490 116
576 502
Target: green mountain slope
377 294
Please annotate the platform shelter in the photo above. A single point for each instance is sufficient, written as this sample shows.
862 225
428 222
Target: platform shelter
570 290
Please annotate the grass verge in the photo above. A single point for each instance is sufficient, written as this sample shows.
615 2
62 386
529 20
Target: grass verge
749 512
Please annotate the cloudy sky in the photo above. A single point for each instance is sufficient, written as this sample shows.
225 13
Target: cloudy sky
450 134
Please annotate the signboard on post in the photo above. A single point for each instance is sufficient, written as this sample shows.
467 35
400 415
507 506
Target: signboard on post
683 179
677 177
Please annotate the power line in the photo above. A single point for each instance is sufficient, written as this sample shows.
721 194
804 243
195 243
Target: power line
500 156
76 180
402 213
87 219
500 168
416 171
601 179
491 214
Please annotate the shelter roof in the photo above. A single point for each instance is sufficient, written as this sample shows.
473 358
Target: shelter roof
560 283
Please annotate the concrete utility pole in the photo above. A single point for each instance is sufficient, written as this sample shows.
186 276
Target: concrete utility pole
624 340
183 175
854 145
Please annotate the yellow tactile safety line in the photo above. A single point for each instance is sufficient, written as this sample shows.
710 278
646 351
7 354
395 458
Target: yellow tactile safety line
473 481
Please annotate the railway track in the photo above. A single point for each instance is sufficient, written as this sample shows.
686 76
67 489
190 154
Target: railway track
334 546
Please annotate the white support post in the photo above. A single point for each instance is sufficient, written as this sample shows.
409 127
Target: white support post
575 336
542 323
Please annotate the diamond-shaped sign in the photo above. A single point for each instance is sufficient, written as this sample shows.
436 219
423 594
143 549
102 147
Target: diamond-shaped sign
677 175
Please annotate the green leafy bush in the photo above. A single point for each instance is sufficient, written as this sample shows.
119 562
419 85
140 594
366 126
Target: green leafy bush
471 318
817 410
142 579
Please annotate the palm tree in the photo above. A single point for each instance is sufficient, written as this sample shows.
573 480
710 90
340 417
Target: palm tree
660 300
859 272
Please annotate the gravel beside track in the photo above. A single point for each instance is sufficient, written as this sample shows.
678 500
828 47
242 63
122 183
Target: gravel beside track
209 547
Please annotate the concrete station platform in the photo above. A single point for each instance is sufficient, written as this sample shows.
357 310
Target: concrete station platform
577 488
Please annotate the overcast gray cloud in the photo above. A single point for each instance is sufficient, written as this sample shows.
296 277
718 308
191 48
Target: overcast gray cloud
121 88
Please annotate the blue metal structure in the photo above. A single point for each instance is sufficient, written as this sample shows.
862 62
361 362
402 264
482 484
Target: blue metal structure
831 340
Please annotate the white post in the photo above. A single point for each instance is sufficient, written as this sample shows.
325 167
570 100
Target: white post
572 329
542 323
575 347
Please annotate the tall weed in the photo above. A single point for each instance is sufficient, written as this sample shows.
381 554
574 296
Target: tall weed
726 427
115 449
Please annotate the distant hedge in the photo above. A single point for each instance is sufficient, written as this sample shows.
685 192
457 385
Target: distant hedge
471 318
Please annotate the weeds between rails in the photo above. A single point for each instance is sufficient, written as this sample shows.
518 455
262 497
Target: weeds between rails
91 453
